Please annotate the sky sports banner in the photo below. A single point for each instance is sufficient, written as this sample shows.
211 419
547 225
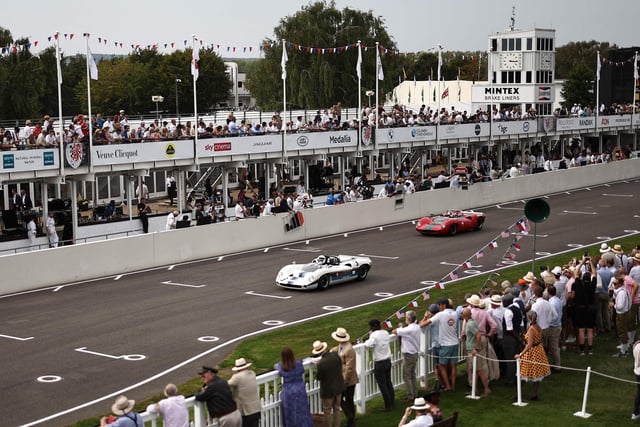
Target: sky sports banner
28 160
213 147
141 152
321 139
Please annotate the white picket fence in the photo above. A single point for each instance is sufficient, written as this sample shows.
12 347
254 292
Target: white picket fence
269 385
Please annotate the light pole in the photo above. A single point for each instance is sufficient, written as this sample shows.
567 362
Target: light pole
177 103
157 99
369 94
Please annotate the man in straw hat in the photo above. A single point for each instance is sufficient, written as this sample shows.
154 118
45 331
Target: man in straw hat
423 417
217 394
245 392
123 408
349 373
329 374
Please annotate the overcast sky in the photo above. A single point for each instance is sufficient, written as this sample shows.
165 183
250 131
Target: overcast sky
415 25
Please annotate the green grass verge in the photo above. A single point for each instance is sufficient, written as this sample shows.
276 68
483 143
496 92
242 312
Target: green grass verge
610 400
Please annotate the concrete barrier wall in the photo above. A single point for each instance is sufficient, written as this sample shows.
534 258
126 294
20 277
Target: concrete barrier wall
115 256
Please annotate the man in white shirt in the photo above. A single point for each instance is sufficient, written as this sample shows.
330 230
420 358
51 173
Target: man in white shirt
239 210
173 409
379 342
546 314
447 321
172 220
410 347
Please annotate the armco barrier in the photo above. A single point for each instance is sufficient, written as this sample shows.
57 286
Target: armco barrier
127 254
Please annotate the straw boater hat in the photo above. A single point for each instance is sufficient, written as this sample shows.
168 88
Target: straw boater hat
419 404
122 405
636 257
617 249
340 335
604 248
319 347
505 284
474 300
496 299
240 365
529 277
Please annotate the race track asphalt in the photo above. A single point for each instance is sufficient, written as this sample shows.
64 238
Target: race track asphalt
77 345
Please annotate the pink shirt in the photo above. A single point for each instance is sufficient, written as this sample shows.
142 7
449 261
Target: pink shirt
482 318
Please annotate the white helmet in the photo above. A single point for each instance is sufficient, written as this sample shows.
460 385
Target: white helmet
321 259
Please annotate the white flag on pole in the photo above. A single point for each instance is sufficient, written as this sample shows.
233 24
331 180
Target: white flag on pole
195 59
59 69
380 70
283 64
598 67
93 68
359 64
635 68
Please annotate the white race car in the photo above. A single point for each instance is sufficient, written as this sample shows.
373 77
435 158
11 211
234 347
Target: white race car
323 272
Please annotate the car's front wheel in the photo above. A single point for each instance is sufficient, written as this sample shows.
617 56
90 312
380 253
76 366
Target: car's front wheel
363 272
480 224
453 229
323 283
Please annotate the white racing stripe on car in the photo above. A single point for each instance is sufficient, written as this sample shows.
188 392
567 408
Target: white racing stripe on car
379 256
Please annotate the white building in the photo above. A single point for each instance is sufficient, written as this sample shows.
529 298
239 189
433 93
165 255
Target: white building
521 72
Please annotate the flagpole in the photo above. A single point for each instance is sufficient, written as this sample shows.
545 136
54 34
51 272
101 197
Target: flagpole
598 91
285 58
360 93
89 104
635 82
60 119
490 78
377 81
196 73
438 101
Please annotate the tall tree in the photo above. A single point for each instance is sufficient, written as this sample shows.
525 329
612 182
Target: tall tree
578 87
324 76
584 53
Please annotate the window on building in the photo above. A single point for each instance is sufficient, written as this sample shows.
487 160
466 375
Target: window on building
511 44
494 45
529 43
504 44
518 44
239 84
528 77
518 76
503 77
538 43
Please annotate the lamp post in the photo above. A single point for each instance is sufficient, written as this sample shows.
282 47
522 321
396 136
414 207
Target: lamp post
369 94
157 99
177 103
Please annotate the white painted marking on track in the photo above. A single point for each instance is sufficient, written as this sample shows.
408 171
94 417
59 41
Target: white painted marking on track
273 322
301 250
266 296
129 357
171 267
617 195
383 294
117 277
630 231
16 338
580 212
603 238
266 250
208 338
381 228
428 282
57 288
332 307
220 258
588 189
49 379
575 245
513 209
169 282
543 253
379 256
346 234
472 271
450 263
636 216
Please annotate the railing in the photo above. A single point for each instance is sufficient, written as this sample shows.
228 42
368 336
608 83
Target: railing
269 384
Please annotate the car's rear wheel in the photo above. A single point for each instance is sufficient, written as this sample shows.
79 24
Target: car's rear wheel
363 272
453 229
480 224
323 283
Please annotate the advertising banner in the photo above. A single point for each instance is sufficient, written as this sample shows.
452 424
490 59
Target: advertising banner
141 152
29 160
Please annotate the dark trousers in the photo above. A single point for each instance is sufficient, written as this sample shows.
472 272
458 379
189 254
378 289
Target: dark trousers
145 223
382 374
347 405
510 346
252 420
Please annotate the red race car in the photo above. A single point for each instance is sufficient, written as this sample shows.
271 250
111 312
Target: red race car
450 223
